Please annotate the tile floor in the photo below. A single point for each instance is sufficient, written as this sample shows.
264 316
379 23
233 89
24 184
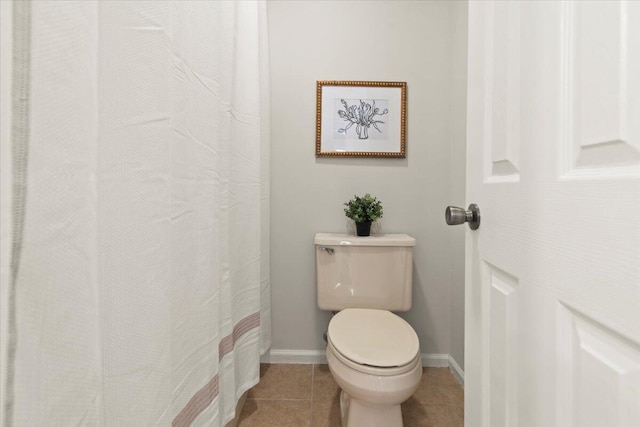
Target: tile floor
307 395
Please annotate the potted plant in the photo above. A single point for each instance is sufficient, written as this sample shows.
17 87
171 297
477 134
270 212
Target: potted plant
363 210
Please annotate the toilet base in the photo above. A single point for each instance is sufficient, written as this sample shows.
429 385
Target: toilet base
356 413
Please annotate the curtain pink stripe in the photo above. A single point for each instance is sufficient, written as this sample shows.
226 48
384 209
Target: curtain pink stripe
227 343
209 392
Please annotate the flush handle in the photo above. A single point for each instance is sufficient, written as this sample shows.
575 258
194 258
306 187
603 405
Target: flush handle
455 215
330 251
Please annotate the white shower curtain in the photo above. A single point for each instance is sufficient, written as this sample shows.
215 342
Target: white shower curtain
135 282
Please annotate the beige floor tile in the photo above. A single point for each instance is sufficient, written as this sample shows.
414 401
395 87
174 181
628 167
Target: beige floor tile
275 413
439 376
437 387
454 395
324 386
459 412
428 394
325 413
430 416
303 395
283 381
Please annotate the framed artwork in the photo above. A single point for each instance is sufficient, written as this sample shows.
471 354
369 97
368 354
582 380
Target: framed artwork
361 119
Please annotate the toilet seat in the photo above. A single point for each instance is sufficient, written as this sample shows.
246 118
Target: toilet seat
373 370
373 340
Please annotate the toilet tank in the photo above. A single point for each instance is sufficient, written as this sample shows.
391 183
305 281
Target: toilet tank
364 272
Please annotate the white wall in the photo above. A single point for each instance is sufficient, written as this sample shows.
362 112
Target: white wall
458 173
408 41
6 51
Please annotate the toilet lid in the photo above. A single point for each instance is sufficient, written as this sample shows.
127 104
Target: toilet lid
373 337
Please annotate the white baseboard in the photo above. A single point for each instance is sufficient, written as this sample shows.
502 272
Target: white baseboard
435 360
432 360
456 370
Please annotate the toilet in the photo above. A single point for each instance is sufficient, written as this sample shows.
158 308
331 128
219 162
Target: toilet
373 354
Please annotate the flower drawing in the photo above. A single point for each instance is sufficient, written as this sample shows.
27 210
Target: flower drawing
363 116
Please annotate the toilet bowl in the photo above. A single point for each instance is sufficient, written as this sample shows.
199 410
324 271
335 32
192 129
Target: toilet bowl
374 358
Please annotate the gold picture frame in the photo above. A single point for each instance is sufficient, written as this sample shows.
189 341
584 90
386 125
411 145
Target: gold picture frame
361 119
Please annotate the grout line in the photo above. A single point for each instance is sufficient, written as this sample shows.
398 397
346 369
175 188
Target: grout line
287 400
313 372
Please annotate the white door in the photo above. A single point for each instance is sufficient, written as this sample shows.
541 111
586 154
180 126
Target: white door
553 272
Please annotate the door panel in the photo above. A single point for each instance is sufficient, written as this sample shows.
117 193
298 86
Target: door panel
502 100
604 368
597 89
553 161
501 345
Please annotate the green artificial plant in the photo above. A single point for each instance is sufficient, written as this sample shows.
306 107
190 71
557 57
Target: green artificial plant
362 209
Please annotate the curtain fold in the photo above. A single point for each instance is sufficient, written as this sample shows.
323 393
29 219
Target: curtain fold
143 294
